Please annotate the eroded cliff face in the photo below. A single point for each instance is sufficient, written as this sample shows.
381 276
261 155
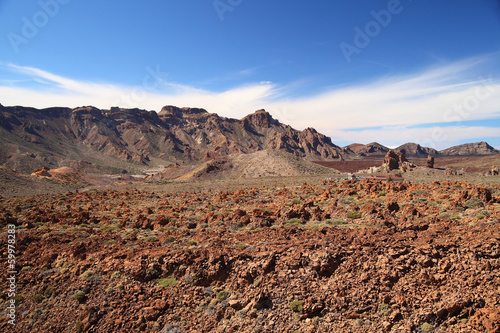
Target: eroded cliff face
173 134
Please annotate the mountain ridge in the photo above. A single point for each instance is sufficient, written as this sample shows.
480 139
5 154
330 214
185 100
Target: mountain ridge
32 137
115 138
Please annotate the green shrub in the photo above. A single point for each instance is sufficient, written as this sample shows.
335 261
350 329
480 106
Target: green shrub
292 222
223 295
85 275
80 296
37 298
151 239
381 193
192 242
170 239
48 291
354 215
426 327
384 309
167 282
109 228
241 246
296 201
474 203
337 221
79 326
297 306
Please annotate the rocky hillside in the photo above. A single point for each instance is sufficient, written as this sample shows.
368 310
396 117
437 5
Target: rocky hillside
31 138
416 150
371 149
478 148
411 149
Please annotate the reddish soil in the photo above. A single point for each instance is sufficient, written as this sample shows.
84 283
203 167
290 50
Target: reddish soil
471 164
352 166
334 257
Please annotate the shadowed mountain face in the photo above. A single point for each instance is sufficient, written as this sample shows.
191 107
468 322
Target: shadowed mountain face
31 138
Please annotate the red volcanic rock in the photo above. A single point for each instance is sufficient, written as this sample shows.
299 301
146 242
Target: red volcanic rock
413 261
486 320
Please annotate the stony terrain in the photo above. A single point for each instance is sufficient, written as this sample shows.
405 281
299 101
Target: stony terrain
333 256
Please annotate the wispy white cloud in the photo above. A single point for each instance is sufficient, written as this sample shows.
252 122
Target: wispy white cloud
386 110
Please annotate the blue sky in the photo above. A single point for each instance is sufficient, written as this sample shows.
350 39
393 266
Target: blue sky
390 71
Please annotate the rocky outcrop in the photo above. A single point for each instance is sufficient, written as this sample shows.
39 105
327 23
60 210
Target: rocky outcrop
430 161
396 161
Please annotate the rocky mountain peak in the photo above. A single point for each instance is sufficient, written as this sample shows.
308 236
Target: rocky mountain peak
170 110
261 118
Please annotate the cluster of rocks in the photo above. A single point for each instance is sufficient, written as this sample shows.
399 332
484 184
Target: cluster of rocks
494 171
341 256
397 161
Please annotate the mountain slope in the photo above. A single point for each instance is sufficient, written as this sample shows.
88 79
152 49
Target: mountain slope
371 149
31 138
416 150
477 148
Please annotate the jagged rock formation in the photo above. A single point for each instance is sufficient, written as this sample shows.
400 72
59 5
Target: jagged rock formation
430 161
47 137
396 161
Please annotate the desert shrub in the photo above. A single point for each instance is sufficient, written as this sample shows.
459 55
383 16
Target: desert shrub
337 221
354 215
296 201
80 296
48 291
151 239
85 275
292 222
192 242
241 246
474 203
79 326
347 200
37 298
384 309
167 282
109 228
426 327
381 193
223 295
297 306
443 216
170 239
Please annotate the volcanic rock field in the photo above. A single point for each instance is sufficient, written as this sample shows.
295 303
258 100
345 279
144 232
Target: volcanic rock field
336 256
